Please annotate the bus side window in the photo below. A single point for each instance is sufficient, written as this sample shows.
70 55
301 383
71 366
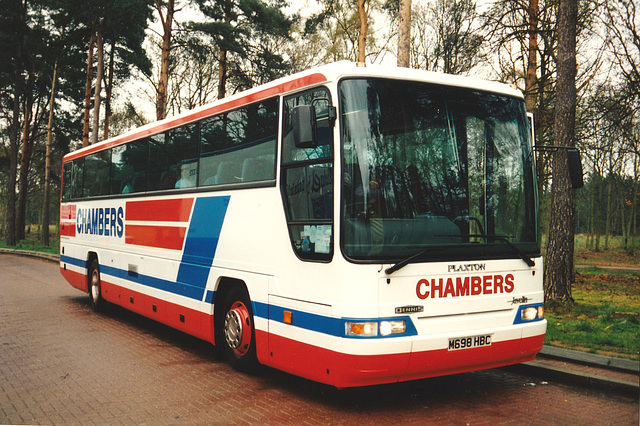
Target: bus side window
162 172
77 190
182 144
96 174
240 145
66 180
129 167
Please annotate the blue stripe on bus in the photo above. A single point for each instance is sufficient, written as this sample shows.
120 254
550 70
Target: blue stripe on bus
260 309
308 321
202 240
177 288
73 261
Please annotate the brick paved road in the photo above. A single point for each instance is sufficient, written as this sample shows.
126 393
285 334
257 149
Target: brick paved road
61 363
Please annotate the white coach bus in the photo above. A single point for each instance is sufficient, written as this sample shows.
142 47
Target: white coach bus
349 225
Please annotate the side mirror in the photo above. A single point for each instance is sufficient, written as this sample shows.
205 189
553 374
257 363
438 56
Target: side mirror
305 134
575 168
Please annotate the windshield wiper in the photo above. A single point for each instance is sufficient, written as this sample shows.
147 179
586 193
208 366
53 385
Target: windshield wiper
502 238
390 270
505 239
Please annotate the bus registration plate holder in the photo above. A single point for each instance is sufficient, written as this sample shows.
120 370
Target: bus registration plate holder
469 342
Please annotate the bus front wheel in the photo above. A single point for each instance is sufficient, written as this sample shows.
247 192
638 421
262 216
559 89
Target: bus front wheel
239 331
95 290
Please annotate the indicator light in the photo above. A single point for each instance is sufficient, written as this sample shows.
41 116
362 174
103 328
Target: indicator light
361 329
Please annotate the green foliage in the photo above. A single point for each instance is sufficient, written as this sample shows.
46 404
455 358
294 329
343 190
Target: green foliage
249 31
32 242
331 34
605 316
124 23
614 255
458 46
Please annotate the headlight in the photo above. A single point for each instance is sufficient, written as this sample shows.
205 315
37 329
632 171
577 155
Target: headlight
529 314
393 327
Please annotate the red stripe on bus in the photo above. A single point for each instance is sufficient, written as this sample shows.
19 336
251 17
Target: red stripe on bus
347 370
76 279
191 117
195 323
68 229
331 367
445 362
174 210
167 237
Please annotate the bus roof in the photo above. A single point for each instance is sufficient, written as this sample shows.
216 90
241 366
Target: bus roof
309 78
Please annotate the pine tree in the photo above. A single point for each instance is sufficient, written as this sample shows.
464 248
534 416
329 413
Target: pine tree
558 276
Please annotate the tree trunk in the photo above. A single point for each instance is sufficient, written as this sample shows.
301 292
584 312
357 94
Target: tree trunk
87 93
530 93
630 246
404 34
623 219
362 35
13 159
597 214
163 84
607 220
96 94
222 74
222 70
47 161
109 90
25 161
592 217
558 275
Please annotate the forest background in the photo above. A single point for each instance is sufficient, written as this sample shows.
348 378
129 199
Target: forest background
73 72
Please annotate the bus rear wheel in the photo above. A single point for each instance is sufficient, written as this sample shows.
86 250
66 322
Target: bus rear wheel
95 288
239 332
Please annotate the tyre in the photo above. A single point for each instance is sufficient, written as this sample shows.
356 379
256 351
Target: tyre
239 338
95 290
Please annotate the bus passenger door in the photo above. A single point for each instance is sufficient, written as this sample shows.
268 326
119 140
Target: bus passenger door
307 175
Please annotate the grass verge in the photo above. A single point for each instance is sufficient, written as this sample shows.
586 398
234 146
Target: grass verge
605 317
32 243
614 255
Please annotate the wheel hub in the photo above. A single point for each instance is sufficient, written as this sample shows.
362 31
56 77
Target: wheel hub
95 288
237 328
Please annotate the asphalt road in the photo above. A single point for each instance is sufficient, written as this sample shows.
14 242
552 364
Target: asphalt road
61 363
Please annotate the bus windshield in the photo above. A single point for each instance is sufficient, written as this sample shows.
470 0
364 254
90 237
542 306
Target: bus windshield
439 170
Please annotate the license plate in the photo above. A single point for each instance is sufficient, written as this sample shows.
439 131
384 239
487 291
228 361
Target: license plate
469 342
